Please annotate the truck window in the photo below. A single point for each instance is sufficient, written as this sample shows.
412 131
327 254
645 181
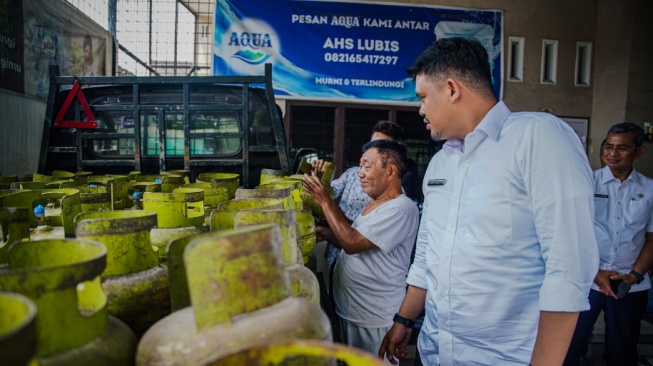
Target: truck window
212 133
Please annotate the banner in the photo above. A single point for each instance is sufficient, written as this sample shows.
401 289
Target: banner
11 45
342 50
56 33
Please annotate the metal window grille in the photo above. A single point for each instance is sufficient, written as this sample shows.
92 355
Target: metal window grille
158 37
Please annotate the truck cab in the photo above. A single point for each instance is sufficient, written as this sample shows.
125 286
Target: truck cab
156 124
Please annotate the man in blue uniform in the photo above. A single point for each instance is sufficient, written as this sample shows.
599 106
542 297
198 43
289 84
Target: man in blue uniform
623 222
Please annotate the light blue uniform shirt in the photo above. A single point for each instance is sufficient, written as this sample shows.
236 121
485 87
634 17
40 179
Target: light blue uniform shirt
624 214
506 232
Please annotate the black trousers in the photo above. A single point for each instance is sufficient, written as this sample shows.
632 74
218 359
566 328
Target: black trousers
622 326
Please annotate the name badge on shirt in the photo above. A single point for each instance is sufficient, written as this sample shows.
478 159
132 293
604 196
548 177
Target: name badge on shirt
437 182
600 195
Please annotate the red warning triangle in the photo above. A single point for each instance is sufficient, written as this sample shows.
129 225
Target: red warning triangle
59 122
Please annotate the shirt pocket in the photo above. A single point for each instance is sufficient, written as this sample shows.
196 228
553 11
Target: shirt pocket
639 211
488 215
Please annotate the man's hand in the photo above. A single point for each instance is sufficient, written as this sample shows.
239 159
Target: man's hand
314 186
602 280
318 167
626 277
323 233
395 343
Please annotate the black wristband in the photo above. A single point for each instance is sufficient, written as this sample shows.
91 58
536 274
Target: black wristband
403 321
640 278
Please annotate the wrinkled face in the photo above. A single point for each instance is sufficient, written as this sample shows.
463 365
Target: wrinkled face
434 107
619 151
373 176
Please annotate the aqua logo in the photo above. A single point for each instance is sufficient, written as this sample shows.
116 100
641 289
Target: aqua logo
250 57
247 44
253 41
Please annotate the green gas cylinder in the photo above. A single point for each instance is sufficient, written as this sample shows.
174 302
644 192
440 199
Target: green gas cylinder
278 353
303 282
239 292
136 285
294 186
271 175
168 182
5 181
307 199
14 226
183 173
214 194
223 217
94 197
229 180
122 193
17 330
61 207
62 278
179 213
284 194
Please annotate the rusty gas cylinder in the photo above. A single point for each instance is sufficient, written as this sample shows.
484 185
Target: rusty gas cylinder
60 208
17 330
296 352
223 217
303 282
14 226
239 293
136 285
179 213
271 175
284 194
62 278
229 180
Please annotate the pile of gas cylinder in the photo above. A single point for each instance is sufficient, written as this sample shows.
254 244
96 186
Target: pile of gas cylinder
158 270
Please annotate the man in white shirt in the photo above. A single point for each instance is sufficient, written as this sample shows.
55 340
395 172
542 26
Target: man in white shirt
370 273
623 202
505 251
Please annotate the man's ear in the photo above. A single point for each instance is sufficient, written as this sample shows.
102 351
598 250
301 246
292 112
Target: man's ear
640 151
392 171
454 89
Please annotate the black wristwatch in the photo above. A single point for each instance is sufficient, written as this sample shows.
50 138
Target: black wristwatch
403 321
640 278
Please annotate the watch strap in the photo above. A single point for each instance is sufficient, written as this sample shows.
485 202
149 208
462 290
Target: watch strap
640 278
404 321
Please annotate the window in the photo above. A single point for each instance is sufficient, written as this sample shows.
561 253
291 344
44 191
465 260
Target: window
516 59
549 61
214 133
312 127
583 63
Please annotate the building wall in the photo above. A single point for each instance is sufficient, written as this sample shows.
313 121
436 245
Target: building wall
621 84
21 123
639 103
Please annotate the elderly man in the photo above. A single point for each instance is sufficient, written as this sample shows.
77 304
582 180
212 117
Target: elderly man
370 273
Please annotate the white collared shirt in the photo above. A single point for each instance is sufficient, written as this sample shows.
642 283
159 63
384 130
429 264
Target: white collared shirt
623 216
506 232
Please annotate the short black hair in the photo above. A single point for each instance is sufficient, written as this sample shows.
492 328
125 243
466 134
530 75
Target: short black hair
628 127
464 59
391 129
391 151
